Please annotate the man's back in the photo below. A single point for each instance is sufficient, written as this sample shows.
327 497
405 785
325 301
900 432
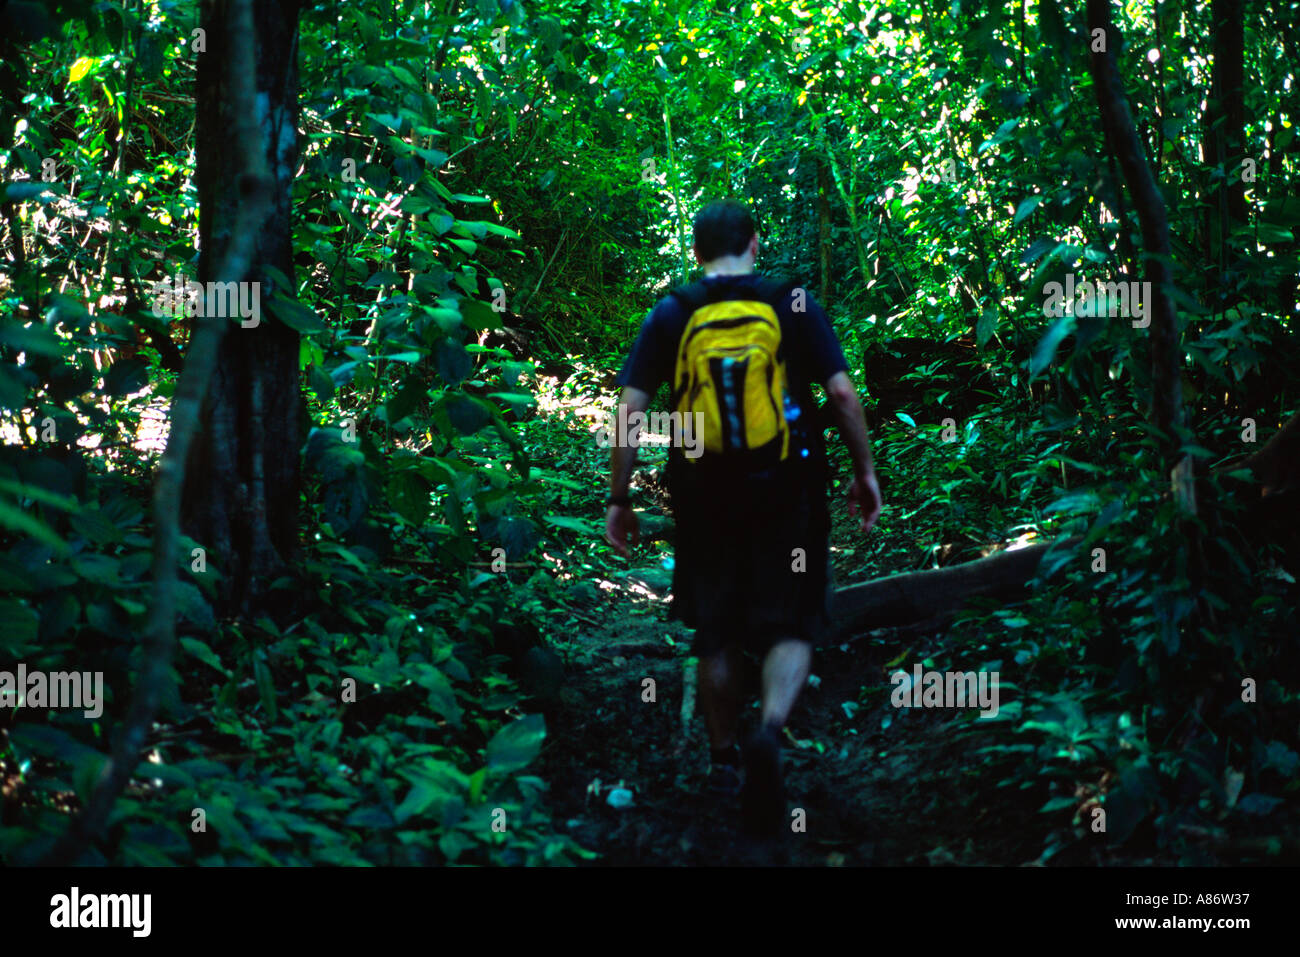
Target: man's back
752 559
811 352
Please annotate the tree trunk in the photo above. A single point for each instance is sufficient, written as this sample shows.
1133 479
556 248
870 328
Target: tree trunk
824 230
1224 124
1166 352
250 206
242 487
1280 188
848 196
1122 138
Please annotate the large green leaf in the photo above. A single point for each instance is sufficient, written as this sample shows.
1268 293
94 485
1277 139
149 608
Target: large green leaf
515 746
1047 346
467 413
406 400
408 492
453 362
14 518
442 698
265 685
479 316
34 339
18 192
20 624
1026 207
573 524
82 67
296 315
519 535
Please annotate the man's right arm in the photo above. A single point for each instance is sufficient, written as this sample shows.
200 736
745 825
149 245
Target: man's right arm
846 412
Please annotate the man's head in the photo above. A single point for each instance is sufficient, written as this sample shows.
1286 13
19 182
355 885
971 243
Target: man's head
724 230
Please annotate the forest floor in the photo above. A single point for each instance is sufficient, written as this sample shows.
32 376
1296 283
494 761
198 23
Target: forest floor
877 785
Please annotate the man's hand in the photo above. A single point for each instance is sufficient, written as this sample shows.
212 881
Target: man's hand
864 494
846 411
620 526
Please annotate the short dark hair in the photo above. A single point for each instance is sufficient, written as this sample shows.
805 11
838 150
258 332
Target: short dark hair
723 228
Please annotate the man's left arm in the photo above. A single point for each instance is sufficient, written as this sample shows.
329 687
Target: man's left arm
830 369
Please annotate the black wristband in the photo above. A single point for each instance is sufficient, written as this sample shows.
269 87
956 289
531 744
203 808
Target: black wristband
619 500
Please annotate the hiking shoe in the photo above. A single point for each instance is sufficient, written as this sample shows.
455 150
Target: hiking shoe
762 797
724 771
724 780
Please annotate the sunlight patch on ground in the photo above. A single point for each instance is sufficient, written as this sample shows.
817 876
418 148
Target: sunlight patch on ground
581 396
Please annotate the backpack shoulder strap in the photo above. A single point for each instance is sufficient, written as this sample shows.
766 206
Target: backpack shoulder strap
697 294
691 296
776 291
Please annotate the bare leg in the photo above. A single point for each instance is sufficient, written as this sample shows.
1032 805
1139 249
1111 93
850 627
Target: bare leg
762 799
785 672
719 689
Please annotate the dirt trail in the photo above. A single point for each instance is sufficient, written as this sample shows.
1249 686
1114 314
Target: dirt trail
878 785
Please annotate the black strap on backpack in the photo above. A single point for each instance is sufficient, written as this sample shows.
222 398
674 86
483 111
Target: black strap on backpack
777 291
697 294
691 296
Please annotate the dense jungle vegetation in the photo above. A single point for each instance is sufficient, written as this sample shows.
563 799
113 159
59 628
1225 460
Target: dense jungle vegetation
340 562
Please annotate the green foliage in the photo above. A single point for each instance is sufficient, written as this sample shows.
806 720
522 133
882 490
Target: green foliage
489 197
262 741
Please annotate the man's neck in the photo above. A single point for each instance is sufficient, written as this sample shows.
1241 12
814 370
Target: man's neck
719 268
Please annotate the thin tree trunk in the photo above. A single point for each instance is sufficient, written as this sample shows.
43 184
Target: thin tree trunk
675 179
1166 387
1224 123
848 196
243 483
824 229
250 207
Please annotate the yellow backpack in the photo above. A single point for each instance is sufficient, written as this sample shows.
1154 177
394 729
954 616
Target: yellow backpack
731 371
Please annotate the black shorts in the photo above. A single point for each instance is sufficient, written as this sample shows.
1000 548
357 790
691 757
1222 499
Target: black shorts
752 562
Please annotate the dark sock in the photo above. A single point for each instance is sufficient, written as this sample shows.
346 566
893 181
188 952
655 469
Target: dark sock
729 755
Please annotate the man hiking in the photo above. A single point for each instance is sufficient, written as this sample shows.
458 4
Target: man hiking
747 476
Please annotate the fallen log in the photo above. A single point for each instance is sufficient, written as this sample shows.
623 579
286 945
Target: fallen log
916 596
1276 466
1270 495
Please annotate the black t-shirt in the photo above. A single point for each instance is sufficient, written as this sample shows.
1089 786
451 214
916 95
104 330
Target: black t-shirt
809 348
